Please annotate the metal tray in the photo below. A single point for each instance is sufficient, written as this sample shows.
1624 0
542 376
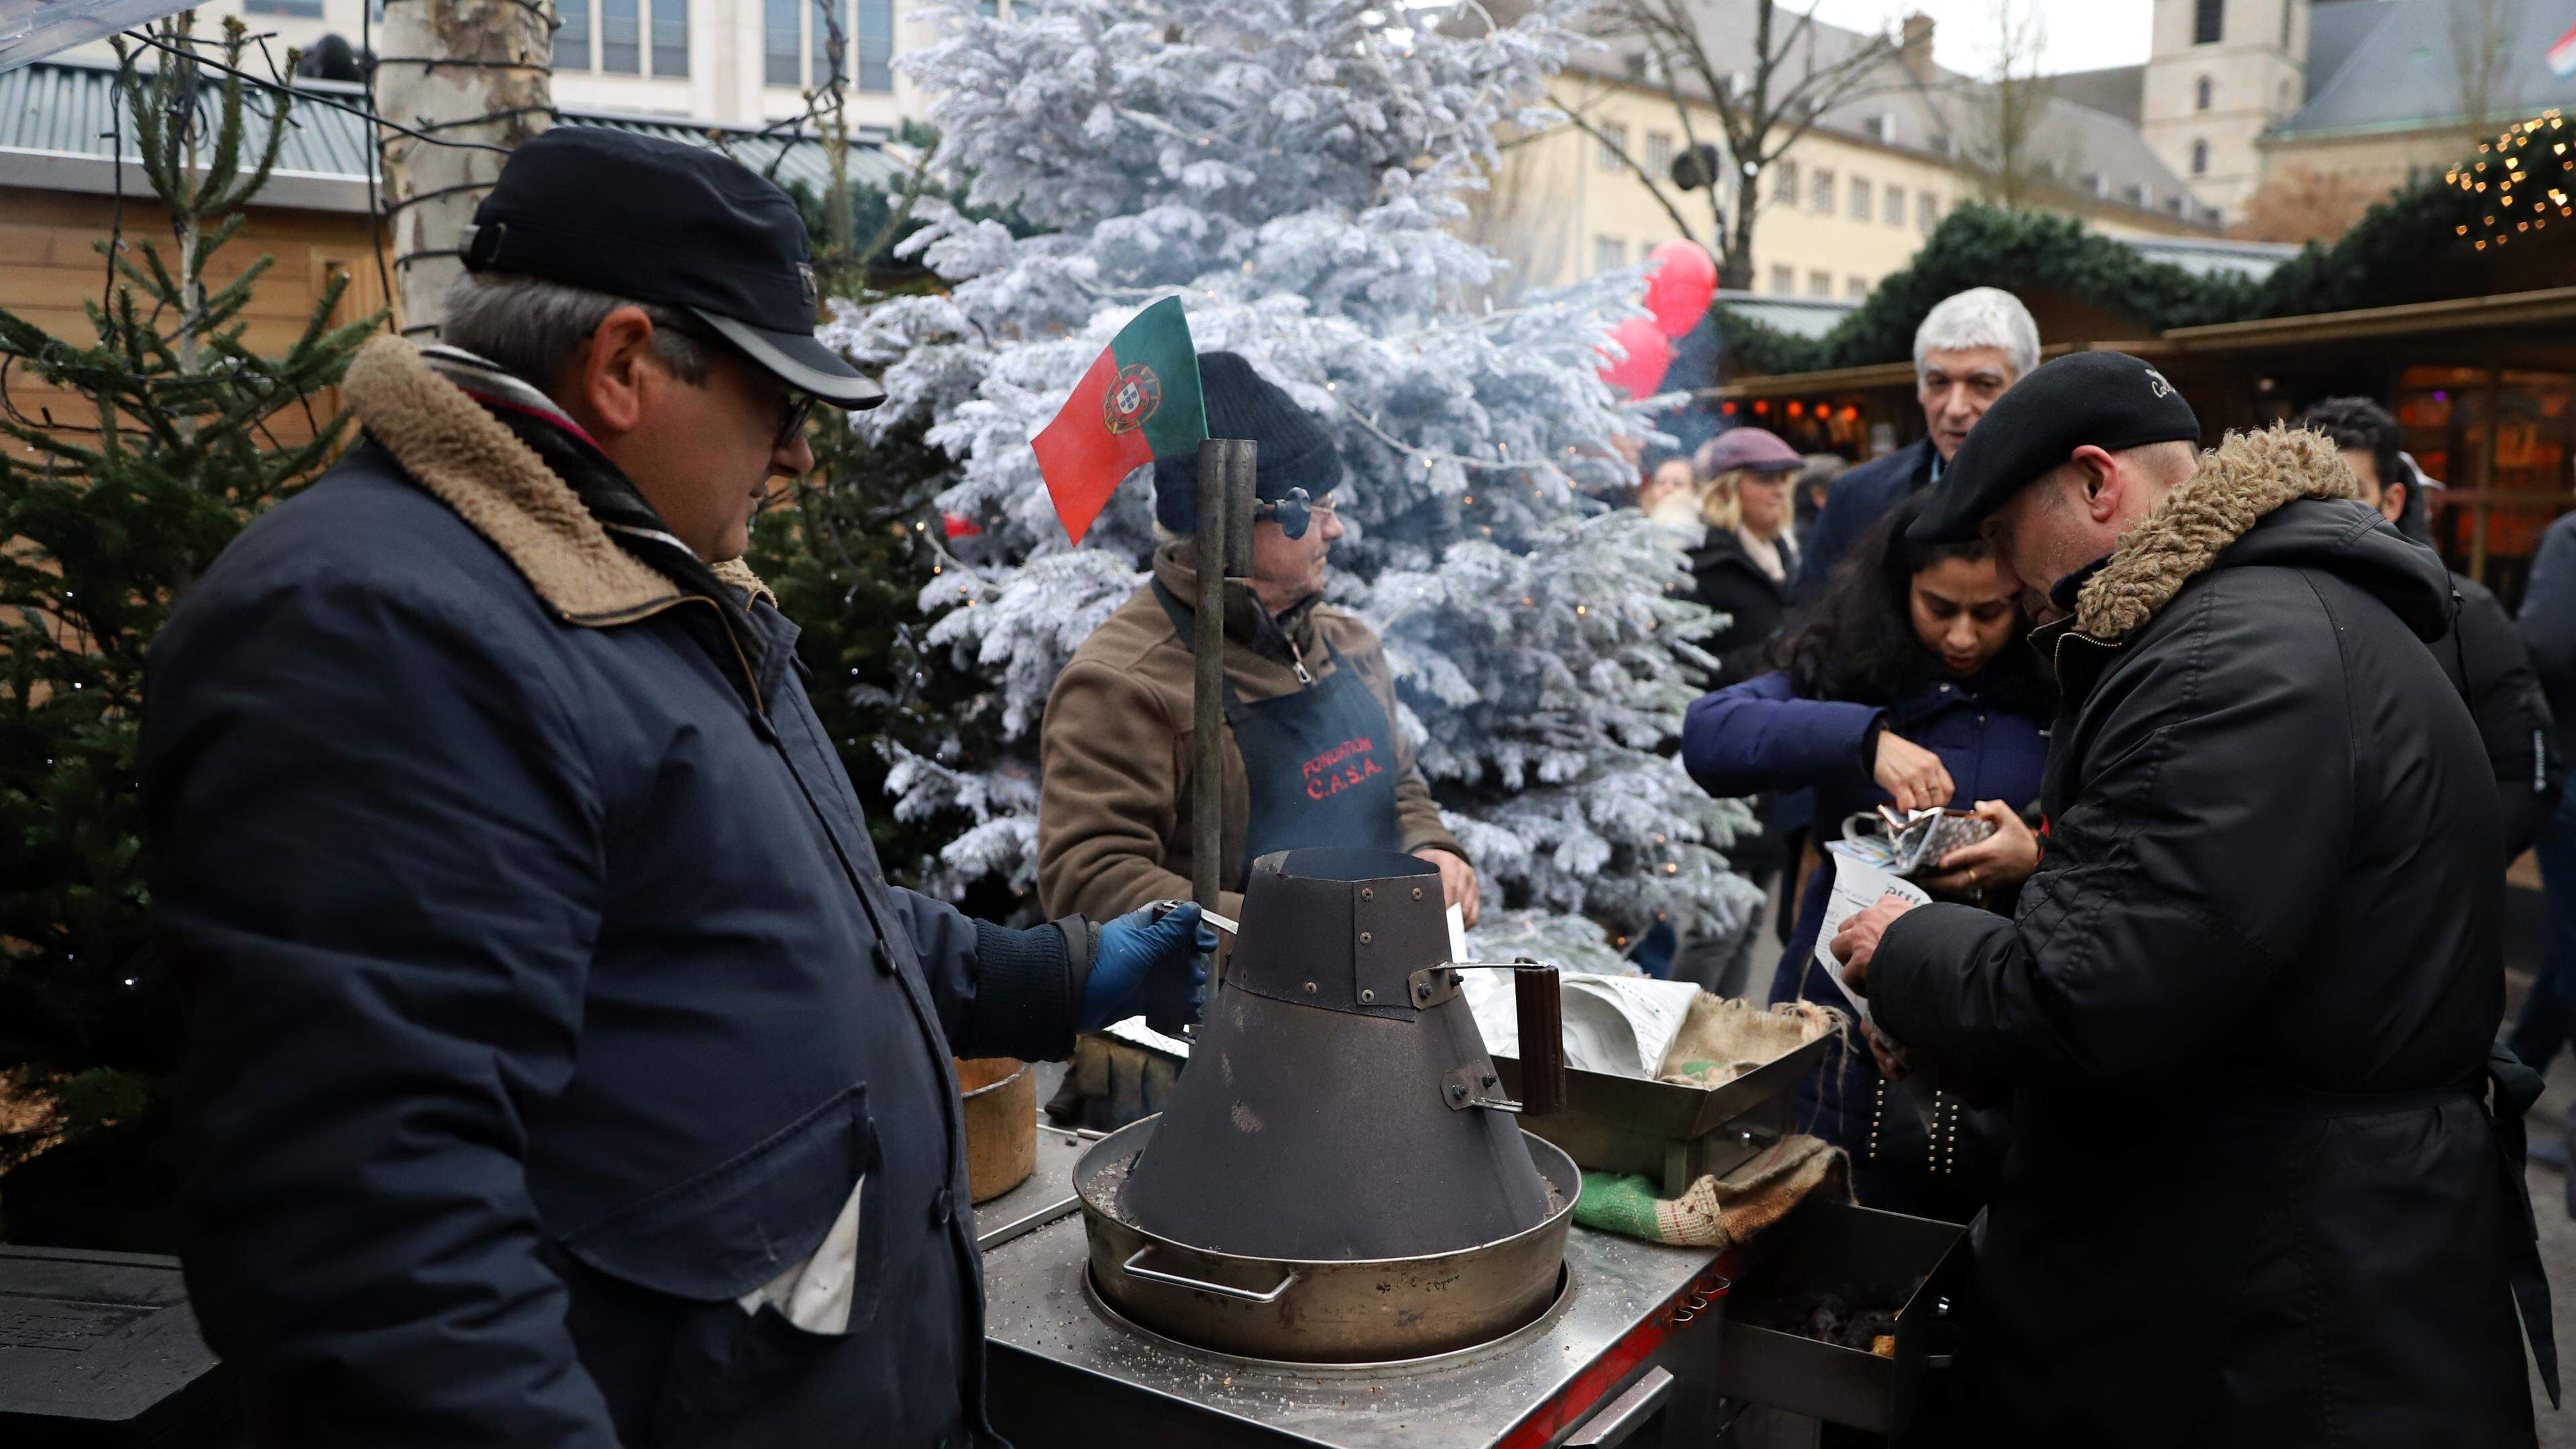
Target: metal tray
1669 1132
1866 1254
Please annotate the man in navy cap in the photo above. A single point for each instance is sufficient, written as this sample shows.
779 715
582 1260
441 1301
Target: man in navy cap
2244 1010
565 1070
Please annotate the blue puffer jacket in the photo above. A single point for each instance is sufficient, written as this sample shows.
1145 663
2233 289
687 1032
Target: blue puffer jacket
548 994
1759 735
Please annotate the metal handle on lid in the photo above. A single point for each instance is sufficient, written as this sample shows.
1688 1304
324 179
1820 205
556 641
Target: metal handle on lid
1542 1025
1222 1290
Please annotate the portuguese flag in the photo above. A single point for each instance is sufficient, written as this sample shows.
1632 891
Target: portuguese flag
1139 401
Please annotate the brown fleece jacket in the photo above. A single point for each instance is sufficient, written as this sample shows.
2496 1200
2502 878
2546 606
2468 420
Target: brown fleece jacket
1114 750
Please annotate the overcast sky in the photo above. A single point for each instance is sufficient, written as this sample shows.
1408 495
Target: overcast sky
2082 34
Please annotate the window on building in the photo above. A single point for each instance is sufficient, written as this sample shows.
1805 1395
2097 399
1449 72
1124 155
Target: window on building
1659 154
1861 197
300 9
1784 280
2200 158
2200 91
1611 154
1881 127
1856 288
1784 182
572 38
2136 194
2092 182
1820 192
1927 212
1820 284
782 48
1609 254
670 37
2208 21
876 45
1894 203
621 38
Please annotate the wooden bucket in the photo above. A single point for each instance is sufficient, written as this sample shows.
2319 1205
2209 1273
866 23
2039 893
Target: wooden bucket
1001 1096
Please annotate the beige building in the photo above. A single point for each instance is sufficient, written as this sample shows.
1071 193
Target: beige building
2238 92
1846 205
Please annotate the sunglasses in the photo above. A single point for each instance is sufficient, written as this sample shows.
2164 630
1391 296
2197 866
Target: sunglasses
798 408
1294 512
794 410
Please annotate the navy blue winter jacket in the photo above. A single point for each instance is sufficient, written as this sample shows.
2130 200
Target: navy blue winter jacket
1759 735
548 994
1858 499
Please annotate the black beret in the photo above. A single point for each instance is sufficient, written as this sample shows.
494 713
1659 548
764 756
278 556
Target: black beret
2108 399
1290 448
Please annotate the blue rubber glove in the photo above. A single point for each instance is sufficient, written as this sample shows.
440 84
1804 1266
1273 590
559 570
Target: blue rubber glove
1145 964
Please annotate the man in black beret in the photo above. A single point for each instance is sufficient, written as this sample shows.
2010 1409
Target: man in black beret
1313 753
565 1071
2265 1180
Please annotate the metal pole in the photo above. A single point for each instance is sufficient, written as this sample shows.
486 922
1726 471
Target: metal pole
1224 547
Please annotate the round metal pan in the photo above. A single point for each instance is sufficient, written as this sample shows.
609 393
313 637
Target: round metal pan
1362 1310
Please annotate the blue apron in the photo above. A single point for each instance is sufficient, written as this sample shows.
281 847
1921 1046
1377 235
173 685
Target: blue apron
1320 762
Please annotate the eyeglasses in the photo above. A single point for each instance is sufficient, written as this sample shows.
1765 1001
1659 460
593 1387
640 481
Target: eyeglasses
1294 512
799 407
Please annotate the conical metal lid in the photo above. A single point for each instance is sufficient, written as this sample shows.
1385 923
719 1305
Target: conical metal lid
1317 1117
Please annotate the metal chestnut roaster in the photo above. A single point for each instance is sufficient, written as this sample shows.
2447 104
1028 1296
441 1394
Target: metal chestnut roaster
1338 1177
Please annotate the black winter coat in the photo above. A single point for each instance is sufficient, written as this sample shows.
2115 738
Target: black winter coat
2246 1005
548 994
2488 664
1726 578
2547 623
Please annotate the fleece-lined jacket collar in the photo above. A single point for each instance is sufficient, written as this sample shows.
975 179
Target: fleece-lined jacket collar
499 453
2240 481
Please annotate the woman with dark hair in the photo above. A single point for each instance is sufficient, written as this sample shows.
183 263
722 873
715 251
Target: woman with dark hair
1905 683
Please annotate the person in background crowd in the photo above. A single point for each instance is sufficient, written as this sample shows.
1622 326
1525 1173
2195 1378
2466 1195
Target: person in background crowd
2548 628
1807 496
1970 347
1906 683
1748 553
1670 497
2265 1176
2483 656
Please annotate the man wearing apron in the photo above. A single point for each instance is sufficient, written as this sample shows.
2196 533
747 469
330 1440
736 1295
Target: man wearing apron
1312 754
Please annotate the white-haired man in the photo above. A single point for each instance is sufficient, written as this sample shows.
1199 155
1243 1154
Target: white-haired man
1972 345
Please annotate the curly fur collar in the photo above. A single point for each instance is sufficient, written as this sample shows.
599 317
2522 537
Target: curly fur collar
2245 477
455 449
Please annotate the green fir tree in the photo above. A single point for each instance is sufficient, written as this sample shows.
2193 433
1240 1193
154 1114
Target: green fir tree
182 435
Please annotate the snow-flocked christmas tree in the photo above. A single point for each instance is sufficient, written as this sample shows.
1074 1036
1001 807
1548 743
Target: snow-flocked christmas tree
1292 169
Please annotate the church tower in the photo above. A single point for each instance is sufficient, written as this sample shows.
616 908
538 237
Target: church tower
2221 71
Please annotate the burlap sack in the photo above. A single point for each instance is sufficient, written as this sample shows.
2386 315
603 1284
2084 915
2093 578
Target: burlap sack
1722 1039
1718 1212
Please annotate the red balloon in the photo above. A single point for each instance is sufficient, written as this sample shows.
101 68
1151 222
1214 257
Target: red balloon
1681 280
1641 372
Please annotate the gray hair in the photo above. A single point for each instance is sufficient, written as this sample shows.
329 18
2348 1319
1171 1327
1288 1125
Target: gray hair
1980 317
533 328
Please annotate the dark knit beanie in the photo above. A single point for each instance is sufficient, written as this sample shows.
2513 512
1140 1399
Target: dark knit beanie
1292 450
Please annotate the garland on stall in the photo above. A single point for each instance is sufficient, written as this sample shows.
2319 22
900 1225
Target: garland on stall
2456 236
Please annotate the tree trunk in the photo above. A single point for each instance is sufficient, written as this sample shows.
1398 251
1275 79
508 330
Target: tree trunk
463 71
1735 238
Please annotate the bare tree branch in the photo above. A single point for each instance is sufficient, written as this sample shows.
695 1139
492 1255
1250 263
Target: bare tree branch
1584 125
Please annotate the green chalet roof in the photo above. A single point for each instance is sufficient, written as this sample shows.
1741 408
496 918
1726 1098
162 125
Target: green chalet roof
59 118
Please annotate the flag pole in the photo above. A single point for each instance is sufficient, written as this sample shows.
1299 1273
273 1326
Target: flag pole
1224 550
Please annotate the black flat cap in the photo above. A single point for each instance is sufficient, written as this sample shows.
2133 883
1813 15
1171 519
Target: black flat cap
672 224
2108 399
1291 449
